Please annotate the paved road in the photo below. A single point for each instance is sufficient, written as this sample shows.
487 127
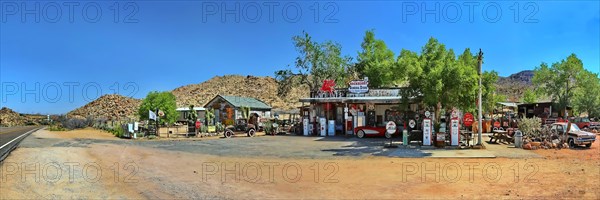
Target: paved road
11 136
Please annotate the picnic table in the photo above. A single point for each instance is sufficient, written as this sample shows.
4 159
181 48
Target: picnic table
499 136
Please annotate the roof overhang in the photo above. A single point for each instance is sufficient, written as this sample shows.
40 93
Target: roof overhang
380 100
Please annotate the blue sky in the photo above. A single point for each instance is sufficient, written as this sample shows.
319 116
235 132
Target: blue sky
161 45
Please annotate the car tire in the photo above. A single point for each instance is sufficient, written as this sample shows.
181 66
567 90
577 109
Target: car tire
251 133
228 134
360 134
588 145
571 143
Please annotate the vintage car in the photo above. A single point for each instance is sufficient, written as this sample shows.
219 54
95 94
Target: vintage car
575 136
373 131
241 125
586 124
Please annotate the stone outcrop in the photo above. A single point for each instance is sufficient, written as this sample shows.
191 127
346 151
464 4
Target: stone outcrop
262 88
9 117
110 107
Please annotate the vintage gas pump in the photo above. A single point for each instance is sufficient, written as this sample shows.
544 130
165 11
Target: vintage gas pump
305 126
454 129
427 129
323 126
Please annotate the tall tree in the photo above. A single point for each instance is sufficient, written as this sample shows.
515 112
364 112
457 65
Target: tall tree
164 101
376 61
529 96
586 98
489 97
560 80
315 63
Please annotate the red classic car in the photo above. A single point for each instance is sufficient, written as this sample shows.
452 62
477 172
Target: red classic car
586 124
373 131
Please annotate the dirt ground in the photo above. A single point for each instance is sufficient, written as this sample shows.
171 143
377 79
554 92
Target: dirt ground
90 164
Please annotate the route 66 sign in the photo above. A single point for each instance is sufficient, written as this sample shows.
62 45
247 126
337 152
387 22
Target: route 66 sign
427 114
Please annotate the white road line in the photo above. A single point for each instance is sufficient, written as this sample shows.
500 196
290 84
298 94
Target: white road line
18 138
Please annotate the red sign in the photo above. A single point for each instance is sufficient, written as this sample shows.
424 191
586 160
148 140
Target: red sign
468 119
328 86
497 124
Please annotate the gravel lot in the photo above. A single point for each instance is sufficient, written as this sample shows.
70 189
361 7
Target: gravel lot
327 167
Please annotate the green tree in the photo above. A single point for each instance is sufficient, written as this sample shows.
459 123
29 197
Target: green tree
376 61
193 116
442 79
489 97
586 98
315 63
529 96
164 101
560 80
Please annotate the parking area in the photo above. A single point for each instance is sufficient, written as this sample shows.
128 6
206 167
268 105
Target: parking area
287 166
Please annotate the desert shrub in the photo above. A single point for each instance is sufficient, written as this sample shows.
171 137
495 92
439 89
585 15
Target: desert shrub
219 127
56 128
74 123
530 126
204 129
117 131
267 126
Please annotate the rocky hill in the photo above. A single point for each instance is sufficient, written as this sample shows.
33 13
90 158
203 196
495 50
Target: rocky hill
262 88
9 117
111 107
515 85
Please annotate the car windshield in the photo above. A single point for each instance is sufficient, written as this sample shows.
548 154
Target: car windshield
574 127
585 120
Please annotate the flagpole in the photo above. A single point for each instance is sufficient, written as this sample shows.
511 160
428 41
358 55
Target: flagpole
479 117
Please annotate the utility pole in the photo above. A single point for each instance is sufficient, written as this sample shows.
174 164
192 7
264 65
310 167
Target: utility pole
479 116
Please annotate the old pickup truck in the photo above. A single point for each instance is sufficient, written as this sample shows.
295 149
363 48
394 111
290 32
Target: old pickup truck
575 135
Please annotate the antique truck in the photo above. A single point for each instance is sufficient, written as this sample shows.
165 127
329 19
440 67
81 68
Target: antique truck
248 126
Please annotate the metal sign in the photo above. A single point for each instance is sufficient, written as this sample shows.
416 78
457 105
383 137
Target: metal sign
390 127
427 114
416 116
359 86
412 123
454 114
468 119
427 132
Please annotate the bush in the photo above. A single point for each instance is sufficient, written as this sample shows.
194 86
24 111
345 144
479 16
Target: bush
56 128
530 126
74 123
267 126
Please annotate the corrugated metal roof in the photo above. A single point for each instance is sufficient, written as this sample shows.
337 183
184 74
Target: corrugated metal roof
508 104
244 102
188 108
